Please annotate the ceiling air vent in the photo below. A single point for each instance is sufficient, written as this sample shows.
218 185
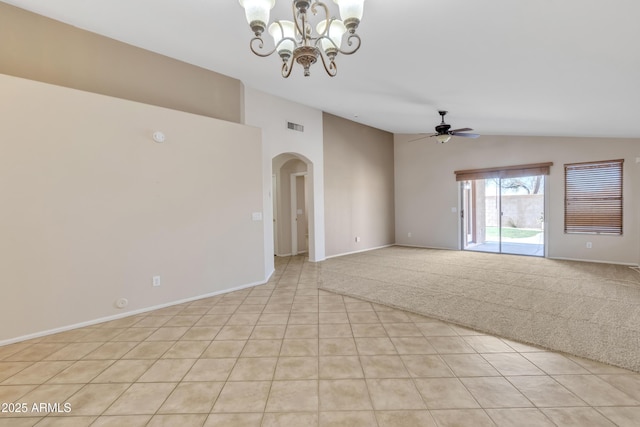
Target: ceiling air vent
295 126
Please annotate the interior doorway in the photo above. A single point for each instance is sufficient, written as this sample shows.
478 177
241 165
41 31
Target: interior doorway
291 206
504 215
299 223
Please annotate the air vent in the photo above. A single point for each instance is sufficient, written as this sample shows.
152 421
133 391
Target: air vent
295 126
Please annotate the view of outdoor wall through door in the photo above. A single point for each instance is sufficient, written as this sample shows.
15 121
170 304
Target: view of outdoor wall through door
504 215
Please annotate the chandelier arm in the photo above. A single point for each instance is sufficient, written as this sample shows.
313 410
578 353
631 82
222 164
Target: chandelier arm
287 67
326 15
349 42
332 68
260 46
264 55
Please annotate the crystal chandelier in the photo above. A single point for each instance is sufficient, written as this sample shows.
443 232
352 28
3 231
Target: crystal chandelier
295 41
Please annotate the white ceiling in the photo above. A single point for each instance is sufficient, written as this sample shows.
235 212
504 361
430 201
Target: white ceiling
543 67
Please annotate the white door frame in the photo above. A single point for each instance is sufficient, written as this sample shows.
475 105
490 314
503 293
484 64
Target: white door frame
274 206
294 211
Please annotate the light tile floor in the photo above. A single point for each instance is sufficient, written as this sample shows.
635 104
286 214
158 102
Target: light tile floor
286 354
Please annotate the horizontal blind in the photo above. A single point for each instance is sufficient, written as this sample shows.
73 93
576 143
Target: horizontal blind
593 197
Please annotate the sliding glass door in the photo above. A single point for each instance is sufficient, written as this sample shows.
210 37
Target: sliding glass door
503 215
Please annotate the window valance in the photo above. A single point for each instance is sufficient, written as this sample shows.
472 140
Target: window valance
517 171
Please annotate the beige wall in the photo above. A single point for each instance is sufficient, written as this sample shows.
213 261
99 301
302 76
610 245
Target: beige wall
93 208
38 48
426 190
359 177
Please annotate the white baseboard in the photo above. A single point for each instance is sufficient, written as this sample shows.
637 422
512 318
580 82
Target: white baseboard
630 264
360 251
126 314
426 247
268 277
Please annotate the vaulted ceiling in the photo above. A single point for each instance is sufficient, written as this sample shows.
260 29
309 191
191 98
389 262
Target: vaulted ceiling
544 67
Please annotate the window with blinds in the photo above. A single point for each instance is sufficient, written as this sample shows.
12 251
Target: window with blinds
593 197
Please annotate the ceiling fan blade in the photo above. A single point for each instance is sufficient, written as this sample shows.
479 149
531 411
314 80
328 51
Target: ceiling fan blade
422 137
461 130
466 135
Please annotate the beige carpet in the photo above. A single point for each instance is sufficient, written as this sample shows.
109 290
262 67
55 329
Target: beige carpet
585 309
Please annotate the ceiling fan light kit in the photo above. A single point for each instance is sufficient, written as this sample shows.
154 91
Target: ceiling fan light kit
443 138
296 41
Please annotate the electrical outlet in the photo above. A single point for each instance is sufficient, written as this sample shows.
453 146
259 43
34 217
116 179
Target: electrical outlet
357 239
409 234
156 280
589 245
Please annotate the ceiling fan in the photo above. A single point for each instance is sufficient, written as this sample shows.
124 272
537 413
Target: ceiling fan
444 134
